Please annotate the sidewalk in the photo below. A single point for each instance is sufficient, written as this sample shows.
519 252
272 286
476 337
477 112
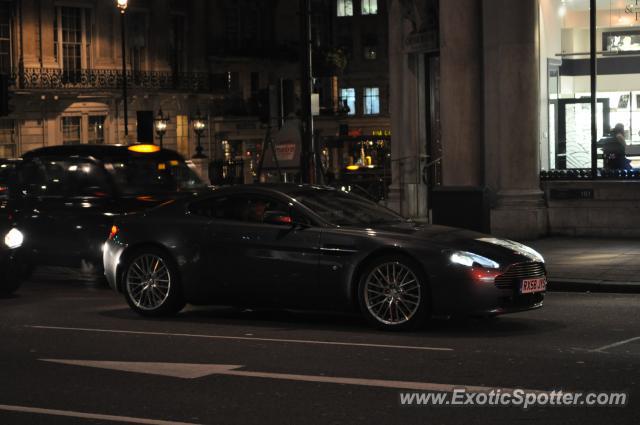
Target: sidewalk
587 264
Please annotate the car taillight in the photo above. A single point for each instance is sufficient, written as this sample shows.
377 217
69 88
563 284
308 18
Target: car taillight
114 232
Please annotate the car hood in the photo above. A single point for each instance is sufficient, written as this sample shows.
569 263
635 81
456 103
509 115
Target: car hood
451 238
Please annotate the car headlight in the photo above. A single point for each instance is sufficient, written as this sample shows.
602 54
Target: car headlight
515 246
470 259
14 238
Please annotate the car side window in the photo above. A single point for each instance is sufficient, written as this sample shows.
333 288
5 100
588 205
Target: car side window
243 208
216 208
85 178
45 179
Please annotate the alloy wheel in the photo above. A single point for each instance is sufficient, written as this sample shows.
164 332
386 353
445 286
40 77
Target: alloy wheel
392 293
148 282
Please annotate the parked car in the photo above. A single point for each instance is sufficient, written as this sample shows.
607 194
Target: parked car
7 168
304 246
63 199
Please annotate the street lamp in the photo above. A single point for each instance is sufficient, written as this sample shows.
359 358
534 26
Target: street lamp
122 5
199 125
160 124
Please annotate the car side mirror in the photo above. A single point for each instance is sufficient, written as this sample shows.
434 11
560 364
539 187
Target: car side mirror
277 217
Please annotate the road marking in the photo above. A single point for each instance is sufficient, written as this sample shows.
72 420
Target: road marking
192 371
246 338
82 415
615 344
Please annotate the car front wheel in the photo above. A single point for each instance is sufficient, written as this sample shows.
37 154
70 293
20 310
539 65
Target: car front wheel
151 283
393 293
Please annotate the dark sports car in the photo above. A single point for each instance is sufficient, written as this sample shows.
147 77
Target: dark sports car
304 246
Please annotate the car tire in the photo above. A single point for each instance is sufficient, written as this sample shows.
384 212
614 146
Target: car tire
151 283
393 293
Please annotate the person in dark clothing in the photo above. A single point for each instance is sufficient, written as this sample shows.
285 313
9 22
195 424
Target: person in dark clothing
614 149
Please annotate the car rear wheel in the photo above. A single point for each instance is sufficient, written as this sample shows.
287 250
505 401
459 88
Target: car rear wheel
393 293
151 283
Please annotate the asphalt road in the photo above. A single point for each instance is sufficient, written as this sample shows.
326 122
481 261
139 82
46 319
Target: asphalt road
73 353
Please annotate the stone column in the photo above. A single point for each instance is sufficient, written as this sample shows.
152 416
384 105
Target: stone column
461 93
512 112
407 193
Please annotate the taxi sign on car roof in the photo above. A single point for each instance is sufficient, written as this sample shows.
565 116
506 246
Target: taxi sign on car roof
144 148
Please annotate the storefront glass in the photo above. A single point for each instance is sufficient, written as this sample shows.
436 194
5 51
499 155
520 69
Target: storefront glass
566 139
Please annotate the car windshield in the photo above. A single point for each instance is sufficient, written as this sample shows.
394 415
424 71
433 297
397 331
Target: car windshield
345 209
149 175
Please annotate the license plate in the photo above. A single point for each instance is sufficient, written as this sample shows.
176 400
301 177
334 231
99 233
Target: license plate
530 286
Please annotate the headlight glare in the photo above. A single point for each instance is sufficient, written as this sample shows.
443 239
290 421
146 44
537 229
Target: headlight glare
470 259
14 238
515 246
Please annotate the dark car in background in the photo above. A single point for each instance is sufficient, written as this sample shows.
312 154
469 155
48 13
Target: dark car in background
304 246
7 168
62 200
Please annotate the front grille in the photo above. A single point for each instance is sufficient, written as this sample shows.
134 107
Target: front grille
516 272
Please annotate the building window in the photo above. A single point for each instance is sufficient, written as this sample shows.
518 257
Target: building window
137 40
7 142
72 40
348 99
96 129
71 130
369 7
345 7
370 52
177 43
182 134
371 101
5 37
370 49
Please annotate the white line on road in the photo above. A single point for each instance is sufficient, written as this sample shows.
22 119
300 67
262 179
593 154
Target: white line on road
245 338
616 344
193 371
97 416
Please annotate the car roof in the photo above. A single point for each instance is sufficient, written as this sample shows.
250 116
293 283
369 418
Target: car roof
96 151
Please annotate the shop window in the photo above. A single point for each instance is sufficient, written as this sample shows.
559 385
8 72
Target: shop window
371 101
566 138
345 8
71 130
369 7
348 99
5 37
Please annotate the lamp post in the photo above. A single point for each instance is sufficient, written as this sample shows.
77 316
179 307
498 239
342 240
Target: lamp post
160 124
122 5
199 125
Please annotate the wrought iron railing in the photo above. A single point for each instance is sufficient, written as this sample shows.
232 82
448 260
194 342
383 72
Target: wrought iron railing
583 174
111 79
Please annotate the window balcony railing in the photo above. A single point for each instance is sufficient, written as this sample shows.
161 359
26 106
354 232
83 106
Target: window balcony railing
111 79
583 174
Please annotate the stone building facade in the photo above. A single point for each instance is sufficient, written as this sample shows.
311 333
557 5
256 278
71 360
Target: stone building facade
466 88
214 57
